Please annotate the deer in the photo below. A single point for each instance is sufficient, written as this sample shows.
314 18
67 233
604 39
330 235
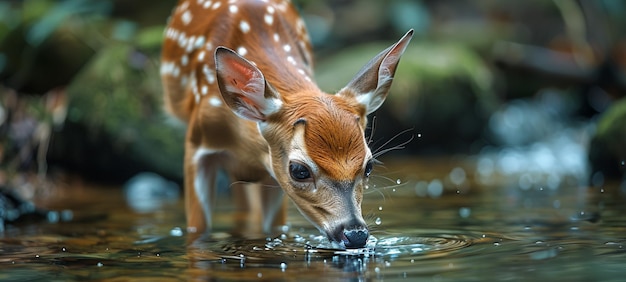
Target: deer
239 74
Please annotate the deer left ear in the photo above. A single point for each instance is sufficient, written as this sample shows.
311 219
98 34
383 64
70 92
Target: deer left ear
371 84
244 88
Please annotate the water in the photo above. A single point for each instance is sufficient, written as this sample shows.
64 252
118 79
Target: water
435 220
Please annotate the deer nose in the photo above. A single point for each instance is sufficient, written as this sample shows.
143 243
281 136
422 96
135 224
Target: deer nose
355 238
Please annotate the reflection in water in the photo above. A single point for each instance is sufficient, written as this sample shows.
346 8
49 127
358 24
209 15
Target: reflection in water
440 223
297 252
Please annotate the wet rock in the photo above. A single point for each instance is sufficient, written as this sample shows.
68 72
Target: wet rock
15 209
147 192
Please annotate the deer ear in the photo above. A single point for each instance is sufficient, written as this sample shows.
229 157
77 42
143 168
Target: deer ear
243 86
371 84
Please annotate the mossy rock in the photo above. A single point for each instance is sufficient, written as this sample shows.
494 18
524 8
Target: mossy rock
116 126
607 152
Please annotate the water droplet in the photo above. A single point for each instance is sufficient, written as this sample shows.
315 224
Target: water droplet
37 256
412 261
99 264
378 221
176 232
387 264
457 176
377 269
398 181
158 255
259 275
283 265
63 249
419 135
465 212
623 163
597 179
380 208
421 188
496 244
435 188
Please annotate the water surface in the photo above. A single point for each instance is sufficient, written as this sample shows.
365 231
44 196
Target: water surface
436 220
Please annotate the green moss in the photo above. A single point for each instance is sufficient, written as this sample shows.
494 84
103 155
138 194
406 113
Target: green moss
118 96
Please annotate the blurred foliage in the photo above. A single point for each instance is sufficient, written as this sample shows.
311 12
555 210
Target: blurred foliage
608 150
117 98
434 86
96 62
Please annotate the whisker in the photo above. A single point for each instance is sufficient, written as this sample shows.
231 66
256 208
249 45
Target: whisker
372 130
380 151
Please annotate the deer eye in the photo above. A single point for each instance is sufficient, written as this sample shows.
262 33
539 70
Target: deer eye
299 172
368 168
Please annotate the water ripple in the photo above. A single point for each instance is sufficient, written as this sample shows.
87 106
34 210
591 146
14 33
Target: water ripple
314 247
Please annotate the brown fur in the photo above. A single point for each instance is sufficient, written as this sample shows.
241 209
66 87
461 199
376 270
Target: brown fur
272 43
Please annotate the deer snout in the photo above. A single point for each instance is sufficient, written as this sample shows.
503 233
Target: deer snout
355 238
352 236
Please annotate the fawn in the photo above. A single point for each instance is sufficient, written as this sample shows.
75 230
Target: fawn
240 73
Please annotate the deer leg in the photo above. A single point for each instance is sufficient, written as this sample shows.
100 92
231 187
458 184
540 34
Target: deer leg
201 169
274 205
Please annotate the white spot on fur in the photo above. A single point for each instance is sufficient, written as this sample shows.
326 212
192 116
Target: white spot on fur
242 51
291 60
276 37
182 40
186 17
190 43
183 6
270 9
209 74
216 5
199 42
207 4
184 60
204 90
287 47
233 9
244 26
269 19
215 101
201 55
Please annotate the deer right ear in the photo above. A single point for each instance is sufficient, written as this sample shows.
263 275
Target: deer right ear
243 86
371 84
